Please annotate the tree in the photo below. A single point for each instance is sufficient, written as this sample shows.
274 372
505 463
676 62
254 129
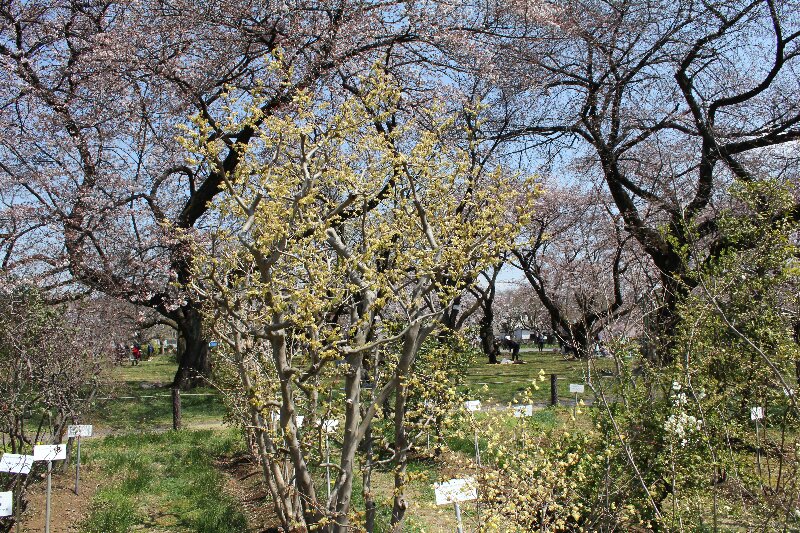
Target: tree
507 308
484 293
677 446
658 101
53 360
577 258
518 306
338 250
97 194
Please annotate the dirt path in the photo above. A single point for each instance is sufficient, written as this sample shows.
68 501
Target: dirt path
105 431
66 509
243 482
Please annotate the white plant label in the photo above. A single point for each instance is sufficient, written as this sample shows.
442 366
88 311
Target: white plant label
298 419
330 425
576 388
472 405
756 413
49 452
14 463
6 508
523 410
84 430
455 490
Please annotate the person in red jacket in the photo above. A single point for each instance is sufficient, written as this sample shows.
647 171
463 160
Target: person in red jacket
137 354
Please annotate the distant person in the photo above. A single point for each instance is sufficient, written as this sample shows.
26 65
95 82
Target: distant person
512 345
565 346
136 352
149 350
601 348
494 349
540 341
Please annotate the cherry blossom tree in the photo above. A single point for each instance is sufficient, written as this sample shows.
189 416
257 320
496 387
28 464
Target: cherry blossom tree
53 360
97 194
484 293
582 266
667 102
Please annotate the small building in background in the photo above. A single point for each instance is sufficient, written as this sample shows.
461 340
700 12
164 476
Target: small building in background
522 335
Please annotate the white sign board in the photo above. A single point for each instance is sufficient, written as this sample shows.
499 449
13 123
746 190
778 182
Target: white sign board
330 425
756 413
576 388
49 452
299 419
472 405
456 490
523 410
5 503
79 431
14 463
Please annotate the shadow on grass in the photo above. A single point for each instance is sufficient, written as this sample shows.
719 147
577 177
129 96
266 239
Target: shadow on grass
164 481
152 409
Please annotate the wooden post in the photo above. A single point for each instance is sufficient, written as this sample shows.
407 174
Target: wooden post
176 408
553 389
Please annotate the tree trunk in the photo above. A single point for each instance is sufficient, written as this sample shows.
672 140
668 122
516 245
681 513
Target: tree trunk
582 341
486 333
366 485
660 328
401 443
193 361
344 483
413 340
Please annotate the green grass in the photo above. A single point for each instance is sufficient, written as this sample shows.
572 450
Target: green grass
383 504
163 481
461 438
159 369
151 405
504 383
167 482
152 409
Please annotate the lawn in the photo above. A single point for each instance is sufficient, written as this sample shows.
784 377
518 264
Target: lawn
501 384
157 480
167 481
163 482
141 399
170 481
